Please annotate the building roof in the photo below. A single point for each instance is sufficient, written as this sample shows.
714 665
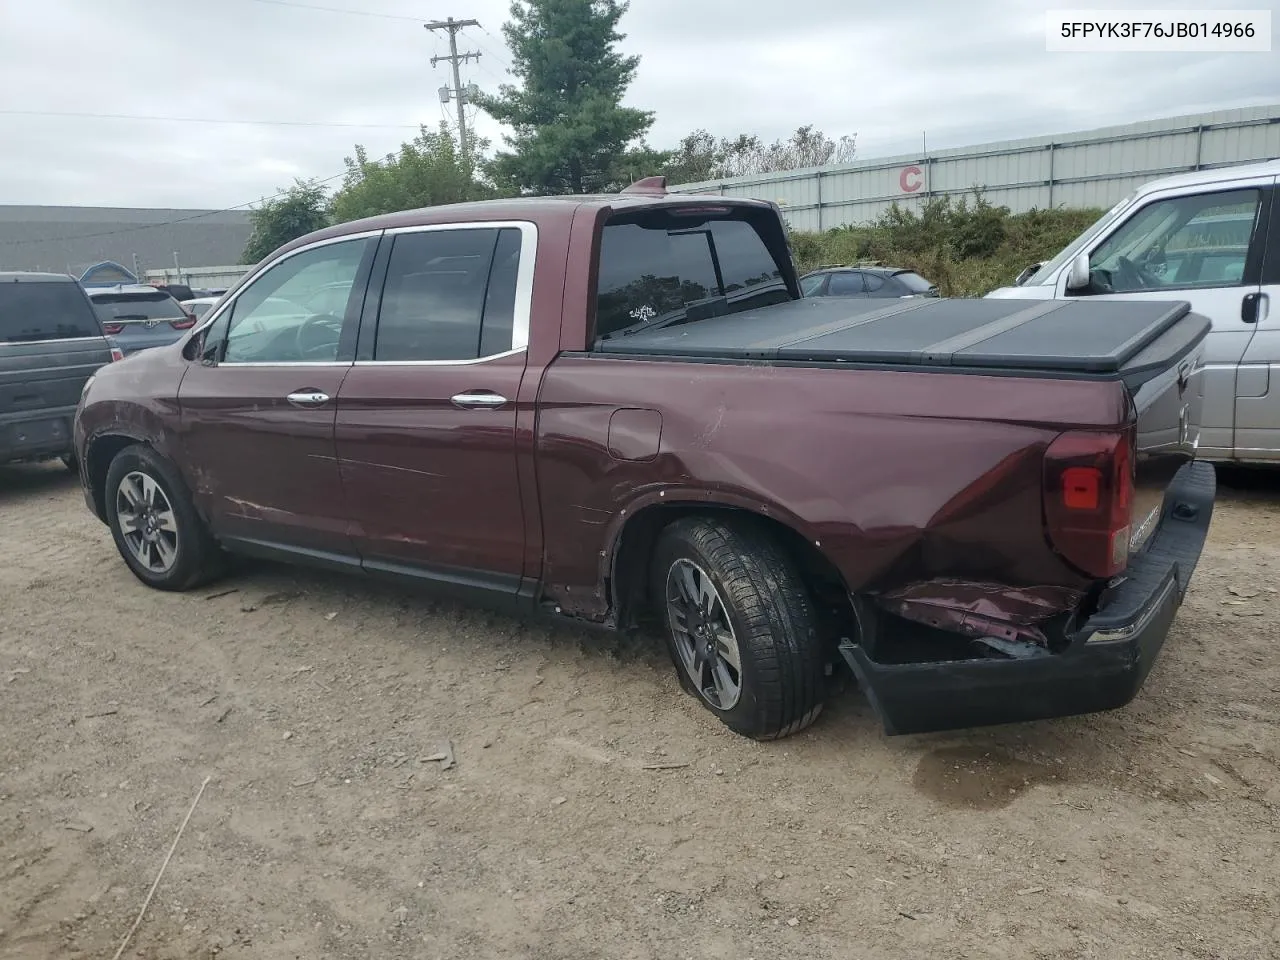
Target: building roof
73 238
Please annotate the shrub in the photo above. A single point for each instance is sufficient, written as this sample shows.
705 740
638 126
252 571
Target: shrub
967 247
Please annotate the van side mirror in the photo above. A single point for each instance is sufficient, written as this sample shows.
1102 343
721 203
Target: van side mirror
1078 272
1026 274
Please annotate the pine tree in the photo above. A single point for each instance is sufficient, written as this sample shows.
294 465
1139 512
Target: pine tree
570 132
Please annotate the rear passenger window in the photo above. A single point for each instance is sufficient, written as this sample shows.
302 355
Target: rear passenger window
873 282
449 295
845 284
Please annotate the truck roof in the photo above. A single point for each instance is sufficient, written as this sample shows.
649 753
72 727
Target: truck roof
30 276
539 209
1215 175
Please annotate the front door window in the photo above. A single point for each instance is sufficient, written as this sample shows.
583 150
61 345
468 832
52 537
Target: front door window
293 313
1182 243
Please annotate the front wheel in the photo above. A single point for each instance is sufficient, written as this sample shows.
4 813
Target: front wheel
154 523
741 627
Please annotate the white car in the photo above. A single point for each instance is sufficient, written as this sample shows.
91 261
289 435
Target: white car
1201 238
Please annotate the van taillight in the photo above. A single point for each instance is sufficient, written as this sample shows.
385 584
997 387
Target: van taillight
111 329
116 354
1088 495
186 323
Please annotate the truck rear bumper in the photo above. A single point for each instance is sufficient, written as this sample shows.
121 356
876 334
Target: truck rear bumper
36 434
1104 664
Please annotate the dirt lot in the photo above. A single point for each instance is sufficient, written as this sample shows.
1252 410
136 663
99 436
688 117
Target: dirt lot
312 701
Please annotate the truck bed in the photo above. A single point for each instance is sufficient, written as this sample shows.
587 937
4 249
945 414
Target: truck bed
1107 339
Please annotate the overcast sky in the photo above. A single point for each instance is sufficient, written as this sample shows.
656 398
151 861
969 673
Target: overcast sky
965 71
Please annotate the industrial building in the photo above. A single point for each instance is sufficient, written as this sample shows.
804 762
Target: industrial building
69 239
1093 168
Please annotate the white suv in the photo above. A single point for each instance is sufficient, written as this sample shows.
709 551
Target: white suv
1212 239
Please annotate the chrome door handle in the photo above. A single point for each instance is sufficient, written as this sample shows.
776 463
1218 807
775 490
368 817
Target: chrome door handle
307 398
479 400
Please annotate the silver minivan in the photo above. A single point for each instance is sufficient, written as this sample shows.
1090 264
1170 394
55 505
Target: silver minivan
1212 239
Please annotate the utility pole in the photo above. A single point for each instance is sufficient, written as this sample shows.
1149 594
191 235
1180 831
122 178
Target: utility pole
453 26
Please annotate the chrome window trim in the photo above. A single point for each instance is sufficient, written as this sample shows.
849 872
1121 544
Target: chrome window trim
286 363
441 363
524 281
210 318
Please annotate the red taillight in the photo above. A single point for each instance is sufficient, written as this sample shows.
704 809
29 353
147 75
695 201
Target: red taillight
116 354
1088 493
186 324
111 329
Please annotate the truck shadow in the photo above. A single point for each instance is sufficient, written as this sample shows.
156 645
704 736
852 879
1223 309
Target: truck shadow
20 482
1248 484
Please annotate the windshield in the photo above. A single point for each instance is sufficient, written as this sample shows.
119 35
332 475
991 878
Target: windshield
662 267
32 311
137 306
1048 269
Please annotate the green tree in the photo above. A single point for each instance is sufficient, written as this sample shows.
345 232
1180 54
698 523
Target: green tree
295 213
427 171
570 132
699 156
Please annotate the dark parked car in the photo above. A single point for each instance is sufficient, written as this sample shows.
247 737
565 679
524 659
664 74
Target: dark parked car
876 282
139 317
606 407
50 345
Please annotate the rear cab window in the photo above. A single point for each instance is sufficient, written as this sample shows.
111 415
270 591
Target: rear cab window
31 311
664 267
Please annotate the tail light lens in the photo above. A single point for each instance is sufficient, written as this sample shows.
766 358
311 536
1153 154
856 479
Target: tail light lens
116 354
111 329
185 324
1088 497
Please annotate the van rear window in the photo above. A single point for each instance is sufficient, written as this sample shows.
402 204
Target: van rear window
31 311
137 306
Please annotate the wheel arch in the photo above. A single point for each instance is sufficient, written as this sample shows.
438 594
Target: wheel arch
632 544
99 452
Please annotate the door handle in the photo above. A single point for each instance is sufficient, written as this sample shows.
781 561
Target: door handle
479 401
308 398
1254 307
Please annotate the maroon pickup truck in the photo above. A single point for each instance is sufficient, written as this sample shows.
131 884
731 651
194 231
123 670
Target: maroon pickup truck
610 408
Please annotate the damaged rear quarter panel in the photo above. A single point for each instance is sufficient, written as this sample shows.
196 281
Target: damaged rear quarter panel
896 477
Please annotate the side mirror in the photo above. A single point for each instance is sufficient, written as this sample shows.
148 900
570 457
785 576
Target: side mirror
1078 272
1026 274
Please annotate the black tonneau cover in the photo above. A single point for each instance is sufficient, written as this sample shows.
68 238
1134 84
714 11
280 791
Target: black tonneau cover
1071 336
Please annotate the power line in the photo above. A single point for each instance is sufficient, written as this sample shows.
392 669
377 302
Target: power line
265 123
358 13
487 49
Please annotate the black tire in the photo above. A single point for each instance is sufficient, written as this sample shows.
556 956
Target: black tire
781 677
70 462
195 558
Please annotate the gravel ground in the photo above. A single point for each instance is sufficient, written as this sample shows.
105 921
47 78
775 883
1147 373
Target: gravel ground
313 703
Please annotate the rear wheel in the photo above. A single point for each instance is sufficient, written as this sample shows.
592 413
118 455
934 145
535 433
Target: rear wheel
741 627
154 522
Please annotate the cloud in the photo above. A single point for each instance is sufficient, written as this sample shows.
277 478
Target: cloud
962 72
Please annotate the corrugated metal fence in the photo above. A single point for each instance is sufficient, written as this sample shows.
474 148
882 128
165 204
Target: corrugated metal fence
1094 168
